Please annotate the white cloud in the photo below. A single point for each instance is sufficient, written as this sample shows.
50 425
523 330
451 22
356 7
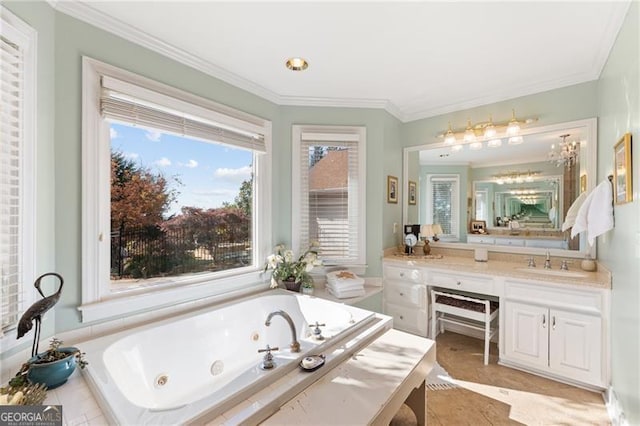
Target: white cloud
192 164
112 133
153 135
131 155
238 175
163 162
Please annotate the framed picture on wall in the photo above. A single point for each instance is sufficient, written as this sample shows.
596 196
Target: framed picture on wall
392 189
622 170
478 226
412 193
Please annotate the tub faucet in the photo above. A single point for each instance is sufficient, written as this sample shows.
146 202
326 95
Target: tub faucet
547 261
295 345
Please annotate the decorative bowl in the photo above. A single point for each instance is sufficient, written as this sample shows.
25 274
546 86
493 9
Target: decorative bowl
52 374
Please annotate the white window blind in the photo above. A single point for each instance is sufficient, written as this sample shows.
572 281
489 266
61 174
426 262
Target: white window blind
130 104
444 203
15 163
330 185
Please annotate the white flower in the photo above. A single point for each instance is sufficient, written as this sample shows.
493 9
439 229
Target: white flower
273 261
274 283
288 255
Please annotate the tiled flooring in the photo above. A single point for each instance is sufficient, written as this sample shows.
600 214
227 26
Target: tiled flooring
497 395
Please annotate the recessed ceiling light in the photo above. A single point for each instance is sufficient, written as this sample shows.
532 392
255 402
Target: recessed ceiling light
297 64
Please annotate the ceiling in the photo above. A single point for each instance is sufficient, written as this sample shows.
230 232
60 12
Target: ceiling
415 59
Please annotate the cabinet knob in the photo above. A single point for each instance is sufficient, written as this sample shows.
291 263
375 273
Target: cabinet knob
544 321
458 282
401 317
402 274
401 294
553 322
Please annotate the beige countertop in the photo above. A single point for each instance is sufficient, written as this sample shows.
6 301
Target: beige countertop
510 269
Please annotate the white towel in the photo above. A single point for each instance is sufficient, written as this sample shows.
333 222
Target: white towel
572 213
596 213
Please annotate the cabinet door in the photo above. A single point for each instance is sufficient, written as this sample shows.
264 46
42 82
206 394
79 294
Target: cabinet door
575 345
526 333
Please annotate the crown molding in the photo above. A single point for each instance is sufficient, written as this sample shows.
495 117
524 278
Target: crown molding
86 13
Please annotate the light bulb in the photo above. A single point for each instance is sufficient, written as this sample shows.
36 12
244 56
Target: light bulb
475 146
494 143
513 128
469 134
516 140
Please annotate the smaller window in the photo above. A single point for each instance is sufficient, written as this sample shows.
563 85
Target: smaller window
329 193
443 204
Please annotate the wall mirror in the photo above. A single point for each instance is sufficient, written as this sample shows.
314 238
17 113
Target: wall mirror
521 191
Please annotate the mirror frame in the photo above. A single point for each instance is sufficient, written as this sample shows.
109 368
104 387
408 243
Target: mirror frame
591 134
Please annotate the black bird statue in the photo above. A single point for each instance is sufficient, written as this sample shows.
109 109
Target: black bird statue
37 310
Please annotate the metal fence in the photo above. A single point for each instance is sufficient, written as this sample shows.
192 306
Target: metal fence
148 252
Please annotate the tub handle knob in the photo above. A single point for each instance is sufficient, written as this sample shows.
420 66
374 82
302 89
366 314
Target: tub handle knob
267 361
317 333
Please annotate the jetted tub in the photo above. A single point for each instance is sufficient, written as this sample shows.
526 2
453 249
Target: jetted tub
207 361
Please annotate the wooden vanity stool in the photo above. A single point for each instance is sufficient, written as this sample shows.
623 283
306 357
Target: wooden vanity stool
467 311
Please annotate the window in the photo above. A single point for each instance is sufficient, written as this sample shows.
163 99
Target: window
179 184
329 193
481 199
443 204
17 157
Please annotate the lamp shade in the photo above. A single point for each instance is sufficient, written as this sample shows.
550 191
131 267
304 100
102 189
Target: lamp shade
427 231
437 229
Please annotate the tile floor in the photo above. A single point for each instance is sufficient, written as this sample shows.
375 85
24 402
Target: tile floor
497 395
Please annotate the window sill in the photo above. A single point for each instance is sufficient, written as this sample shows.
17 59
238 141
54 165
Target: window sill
121 305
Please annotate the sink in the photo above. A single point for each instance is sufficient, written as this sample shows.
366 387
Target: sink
553 272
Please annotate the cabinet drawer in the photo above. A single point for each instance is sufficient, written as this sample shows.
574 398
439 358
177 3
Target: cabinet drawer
404 274
510 242
412 320
406 294
477 239
560 296
462 282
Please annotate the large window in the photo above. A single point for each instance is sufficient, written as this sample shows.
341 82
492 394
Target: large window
443 204
181 190
17 156
329 192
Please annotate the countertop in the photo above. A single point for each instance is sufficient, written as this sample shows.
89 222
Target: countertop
509 269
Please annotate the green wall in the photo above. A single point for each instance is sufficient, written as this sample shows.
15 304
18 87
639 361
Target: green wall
619 112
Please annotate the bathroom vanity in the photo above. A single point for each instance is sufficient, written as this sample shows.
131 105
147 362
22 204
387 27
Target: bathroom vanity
552 322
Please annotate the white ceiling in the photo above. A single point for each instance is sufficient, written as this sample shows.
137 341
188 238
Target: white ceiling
415 59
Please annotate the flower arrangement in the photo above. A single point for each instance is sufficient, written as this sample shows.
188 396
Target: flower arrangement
286 268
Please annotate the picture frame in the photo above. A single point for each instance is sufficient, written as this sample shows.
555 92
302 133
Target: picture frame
622 172
392 189
478 226
412 193
583 183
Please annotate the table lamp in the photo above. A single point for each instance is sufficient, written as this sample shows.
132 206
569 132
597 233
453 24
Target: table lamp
437 229
426 231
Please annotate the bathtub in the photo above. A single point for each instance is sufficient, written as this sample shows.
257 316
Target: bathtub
207 361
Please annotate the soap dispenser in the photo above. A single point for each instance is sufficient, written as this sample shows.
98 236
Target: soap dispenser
588 264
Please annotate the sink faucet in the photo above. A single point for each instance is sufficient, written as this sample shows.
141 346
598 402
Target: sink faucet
295 345
547 261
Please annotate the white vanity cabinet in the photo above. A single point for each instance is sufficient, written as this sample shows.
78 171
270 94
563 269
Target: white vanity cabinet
405 298
480 239
557 330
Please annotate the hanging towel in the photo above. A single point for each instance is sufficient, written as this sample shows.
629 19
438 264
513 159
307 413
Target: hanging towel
596 213
572 213
600 214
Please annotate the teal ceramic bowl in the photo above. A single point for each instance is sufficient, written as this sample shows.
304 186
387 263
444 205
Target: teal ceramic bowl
52 374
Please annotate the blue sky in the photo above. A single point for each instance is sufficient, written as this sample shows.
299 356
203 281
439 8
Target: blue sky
210 173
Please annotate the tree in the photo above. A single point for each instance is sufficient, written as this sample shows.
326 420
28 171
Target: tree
138 196
244 199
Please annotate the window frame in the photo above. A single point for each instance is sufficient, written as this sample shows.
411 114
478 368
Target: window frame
328 134
27 38
97 301
455 178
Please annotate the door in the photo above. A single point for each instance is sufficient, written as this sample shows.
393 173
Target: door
575 342
526 333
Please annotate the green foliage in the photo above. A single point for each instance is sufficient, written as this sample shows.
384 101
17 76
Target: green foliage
286 267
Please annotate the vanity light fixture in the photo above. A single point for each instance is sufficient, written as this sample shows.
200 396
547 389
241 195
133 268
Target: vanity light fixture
297 64
516 177
490 132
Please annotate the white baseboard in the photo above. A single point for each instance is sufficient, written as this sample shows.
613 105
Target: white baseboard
614 408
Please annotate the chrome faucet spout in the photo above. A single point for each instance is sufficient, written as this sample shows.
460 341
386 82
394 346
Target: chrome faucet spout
547 261
295 345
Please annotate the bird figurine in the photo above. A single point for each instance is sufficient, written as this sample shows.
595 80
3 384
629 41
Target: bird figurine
37 310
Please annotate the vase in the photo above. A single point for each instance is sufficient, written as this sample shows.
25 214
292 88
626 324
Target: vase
52 374
292 285
307 290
